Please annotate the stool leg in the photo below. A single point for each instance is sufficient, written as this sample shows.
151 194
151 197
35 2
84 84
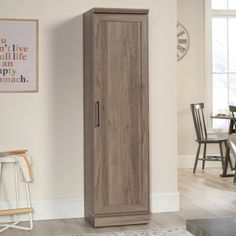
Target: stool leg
3 226
0 176
29 204
17 190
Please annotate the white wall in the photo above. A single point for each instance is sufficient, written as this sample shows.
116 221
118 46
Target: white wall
190 77
50 123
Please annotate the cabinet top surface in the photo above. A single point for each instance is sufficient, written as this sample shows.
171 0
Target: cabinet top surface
118 11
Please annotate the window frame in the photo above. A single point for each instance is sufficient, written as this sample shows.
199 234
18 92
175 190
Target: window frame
209 14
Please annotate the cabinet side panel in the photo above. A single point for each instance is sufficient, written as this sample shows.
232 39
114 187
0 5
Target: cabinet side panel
88 114
145 112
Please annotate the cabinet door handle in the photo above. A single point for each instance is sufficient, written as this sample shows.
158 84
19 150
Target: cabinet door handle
97 114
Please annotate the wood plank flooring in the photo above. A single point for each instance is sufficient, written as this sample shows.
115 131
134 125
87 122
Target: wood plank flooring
202 195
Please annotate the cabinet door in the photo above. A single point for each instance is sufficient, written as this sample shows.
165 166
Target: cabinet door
121 105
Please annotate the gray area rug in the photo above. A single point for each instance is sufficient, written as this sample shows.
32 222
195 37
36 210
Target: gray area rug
151 232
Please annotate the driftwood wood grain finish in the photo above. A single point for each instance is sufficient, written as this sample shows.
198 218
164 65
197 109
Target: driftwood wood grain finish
116 116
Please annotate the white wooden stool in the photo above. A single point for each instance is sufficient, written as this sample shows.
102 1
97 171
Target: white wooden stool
21 163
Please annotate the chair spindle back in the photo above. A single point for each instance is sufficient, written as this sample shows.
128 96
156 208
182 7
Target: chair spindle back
199 120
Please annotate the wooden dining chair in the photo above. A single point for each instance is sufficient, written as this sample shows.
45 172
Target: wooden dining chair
232 129
203 138
232 145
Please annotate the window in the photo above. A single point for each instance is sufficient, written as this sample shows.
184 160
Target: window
221 57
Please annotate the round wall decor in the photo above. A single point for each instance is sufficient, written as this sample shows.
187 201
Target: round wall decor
183 41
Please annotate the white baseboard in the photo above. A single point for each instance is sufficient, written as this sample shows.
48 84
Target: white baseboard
59 209
165 202
50 209
74 207
188 162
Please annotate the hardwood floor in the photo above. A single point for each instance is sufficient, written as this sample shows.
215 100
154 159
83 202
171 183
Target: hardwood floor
202 195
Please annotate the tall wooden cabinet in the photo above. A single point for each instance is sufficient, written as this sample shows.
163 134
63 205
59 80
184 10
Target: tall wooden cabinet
116 145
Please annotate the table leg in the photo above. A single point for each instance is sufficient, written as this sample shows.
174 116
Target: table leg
226 163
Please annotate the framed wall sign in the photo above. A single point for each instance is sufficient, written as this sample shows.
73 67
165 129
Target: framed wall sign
18 55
